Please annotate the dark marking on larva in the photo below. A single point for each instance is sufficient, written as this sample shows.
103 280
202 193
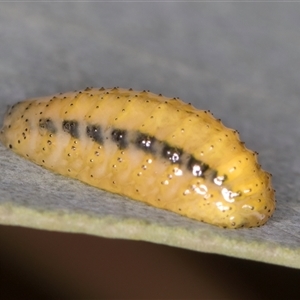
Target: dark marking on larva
172 154
217 179
28 106
94 132
71 127
119 137
48 125
197 167
145 143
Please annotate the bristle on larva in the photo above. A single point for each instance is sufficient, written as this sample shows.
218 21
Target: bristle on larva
150 148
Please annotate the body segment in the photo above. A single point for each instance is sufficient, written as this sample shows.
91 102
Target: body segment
148 147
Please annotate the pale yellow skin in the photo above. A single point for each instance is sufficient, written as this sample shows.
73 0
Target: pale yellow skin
244 199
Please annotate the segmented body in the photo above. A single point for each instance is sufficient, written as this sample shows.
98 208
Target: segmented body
148 147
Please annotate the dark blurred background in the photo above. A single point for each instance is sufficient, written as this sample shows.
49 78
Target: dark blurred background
38 264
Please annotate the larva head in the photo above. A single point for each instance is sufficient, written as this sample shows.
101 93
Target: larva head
250 191
231 190
250 206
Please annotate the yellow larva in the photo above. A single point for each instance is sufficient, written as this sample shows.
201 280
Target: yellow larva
158 150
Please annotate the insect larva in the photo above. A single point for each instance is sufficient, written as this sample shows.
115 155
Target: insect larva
148 147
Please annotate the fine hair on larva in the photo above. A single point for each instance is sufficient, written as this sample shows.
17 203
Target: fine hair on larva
147 147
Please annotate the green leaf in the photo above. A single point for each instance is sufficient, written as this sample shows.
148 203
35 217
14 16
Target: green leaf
34 197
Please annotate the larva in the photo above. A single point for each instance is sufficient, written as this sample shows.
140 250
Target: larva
147 147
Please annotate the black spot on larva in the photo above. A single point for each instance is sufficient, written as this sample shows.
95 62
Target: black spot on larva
94 132
197 167
71 127
145 142
119 137
48 125
219 180
172 154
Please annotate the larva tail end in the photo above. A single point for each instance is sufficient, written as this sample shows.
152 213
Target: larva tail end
2 133
4 127
2 136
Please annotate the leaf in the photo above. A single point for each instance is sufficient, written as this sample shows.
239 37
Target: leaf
34 197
